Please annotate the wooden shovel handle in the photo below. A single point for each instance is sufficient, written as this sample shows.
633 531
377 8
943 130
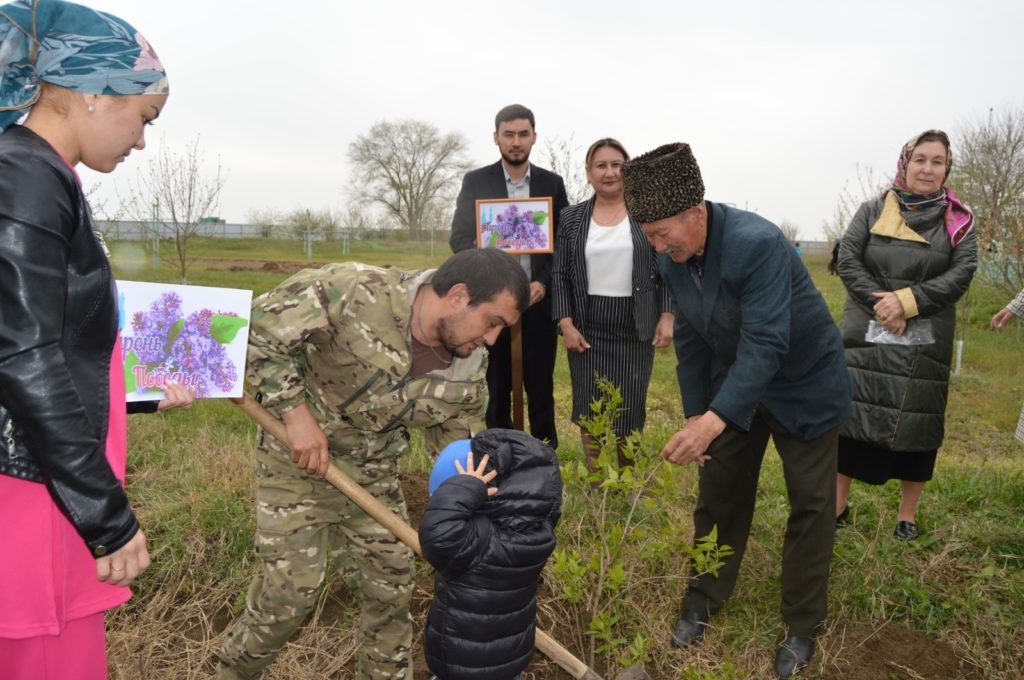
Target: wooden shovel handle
402 531
338 479
516 343
550 648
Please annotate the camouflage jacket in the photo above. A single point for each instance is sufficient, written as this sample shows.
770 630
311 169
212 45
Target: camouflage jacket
338 339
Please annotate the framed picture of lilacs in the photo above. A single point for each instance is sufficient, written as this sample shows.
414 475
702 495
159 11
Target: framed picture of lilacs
516 225
196 336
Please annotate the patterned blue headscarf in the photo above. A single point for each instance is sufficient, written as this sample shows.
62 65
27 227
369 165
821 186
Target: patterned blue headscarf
74 47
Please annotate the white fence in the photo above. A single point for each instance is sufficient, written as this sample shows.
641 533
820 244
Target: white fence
129 230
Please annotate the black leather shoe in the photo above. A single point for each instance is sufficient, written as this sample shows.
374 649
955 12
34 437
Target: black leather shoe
843 518
906 531
794 653
689 629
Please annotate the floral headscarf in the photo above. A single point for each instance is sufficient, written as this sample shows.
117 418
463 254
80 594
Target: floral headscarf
959 220
74 47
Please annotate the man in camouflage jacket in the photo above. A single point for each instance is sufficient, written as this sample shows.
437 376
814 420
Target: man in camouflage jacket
350 356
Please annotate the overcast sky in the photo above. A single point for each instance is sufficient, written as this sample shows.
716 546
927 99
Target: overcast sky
781 101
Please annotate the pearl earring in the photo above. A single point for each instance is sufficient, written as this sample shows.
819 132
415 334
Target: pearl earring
91 109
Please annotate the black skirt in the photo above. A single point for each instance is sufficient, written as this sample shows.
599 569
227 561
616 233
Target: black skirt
616 353
875 465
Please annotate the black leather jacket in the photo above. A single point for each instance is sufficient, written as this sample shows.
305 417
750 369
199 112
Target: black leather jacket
58 323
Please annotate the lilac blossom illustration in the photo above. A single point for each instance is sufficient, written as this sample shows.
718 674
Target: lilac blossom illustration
169 344
164 313
515 230
195 351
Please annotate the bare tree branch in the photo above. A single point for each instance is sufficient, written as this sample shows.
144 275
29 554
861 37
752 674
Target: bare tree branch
104 216
869 187
407 167
269 221
174 195
356 220
988 176
564 157
790 230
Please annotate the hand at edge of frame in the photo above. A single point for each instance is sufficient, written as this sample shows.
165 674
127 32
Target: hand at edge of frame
1001 319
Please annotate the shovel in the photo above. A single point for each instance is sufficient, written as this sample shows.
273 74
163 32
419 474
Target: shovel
406 534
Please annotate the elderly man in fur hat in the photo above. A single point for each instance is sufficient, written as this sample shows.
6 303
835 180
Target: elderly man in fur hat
759 356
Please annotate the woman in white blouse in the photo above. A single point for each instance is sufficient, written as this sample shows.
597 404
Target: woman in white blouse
608 298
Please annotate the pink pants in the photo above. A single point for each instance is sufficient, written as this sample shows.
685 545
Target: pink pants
78 653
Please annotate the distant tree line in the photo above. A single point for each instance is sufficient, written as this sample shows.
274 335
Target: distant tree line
352 222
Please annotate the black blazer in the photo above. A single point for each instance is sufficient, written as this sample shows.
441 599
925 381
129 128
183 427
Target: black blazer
569 277
489 182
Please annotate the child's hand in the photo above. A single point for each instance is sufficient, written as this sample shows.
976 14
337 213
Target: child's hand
479 472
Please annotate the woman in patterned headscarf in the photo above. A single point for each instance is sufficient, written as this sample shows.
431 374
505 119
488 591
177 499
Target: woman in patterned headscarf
86 84
905 260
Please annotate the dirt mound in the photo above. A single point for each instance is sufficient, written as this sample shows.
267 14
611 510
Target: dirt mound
267 266
414 487
275 267
866 652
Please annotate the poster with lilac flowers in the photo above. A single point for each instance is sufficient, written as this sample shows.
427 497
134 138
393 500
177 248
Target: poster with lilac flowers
515 225
192 335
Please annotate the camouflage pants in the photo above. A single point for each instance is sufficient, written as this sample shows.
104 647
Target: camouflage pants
299 521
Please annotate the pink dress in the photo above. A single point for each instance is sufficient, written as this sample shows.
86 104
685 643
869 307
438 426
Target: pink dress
47 574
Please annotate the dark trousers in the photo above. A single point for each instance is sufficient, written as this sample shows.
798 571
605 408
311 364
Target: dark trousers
728 489
539 345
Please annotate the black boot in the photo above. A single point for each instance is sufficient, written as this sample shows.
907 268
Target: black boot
689 629
794 653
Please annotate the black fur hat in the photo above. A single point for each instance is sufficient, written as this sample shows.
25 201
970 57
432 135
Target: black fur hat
662 183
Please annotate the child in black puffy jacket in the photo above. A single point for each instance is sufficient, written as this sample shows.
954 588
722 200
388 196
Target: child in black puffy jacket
488 530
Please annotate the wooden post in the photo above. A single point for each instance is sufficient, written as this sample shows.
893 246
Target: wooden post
517 374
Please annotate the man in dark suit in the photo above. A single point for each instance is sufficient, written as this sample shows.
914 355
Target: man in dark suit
759 356
513 177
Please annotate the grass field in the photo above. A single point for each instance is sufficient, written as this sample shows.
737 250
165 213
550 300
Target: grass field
950 604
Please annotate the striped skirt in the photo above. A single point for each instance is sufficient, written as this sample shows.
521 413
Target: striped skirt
616 353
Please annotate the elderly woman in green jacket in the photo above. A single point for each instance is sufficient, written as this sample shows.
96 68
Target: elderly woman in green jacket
906 258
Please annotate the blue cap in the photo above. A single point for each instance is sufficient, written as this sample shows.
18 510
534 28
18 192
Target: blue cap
444 466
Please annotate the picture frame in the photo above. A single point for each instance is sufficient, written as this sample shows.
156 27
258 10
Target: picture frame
196 336
518 226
